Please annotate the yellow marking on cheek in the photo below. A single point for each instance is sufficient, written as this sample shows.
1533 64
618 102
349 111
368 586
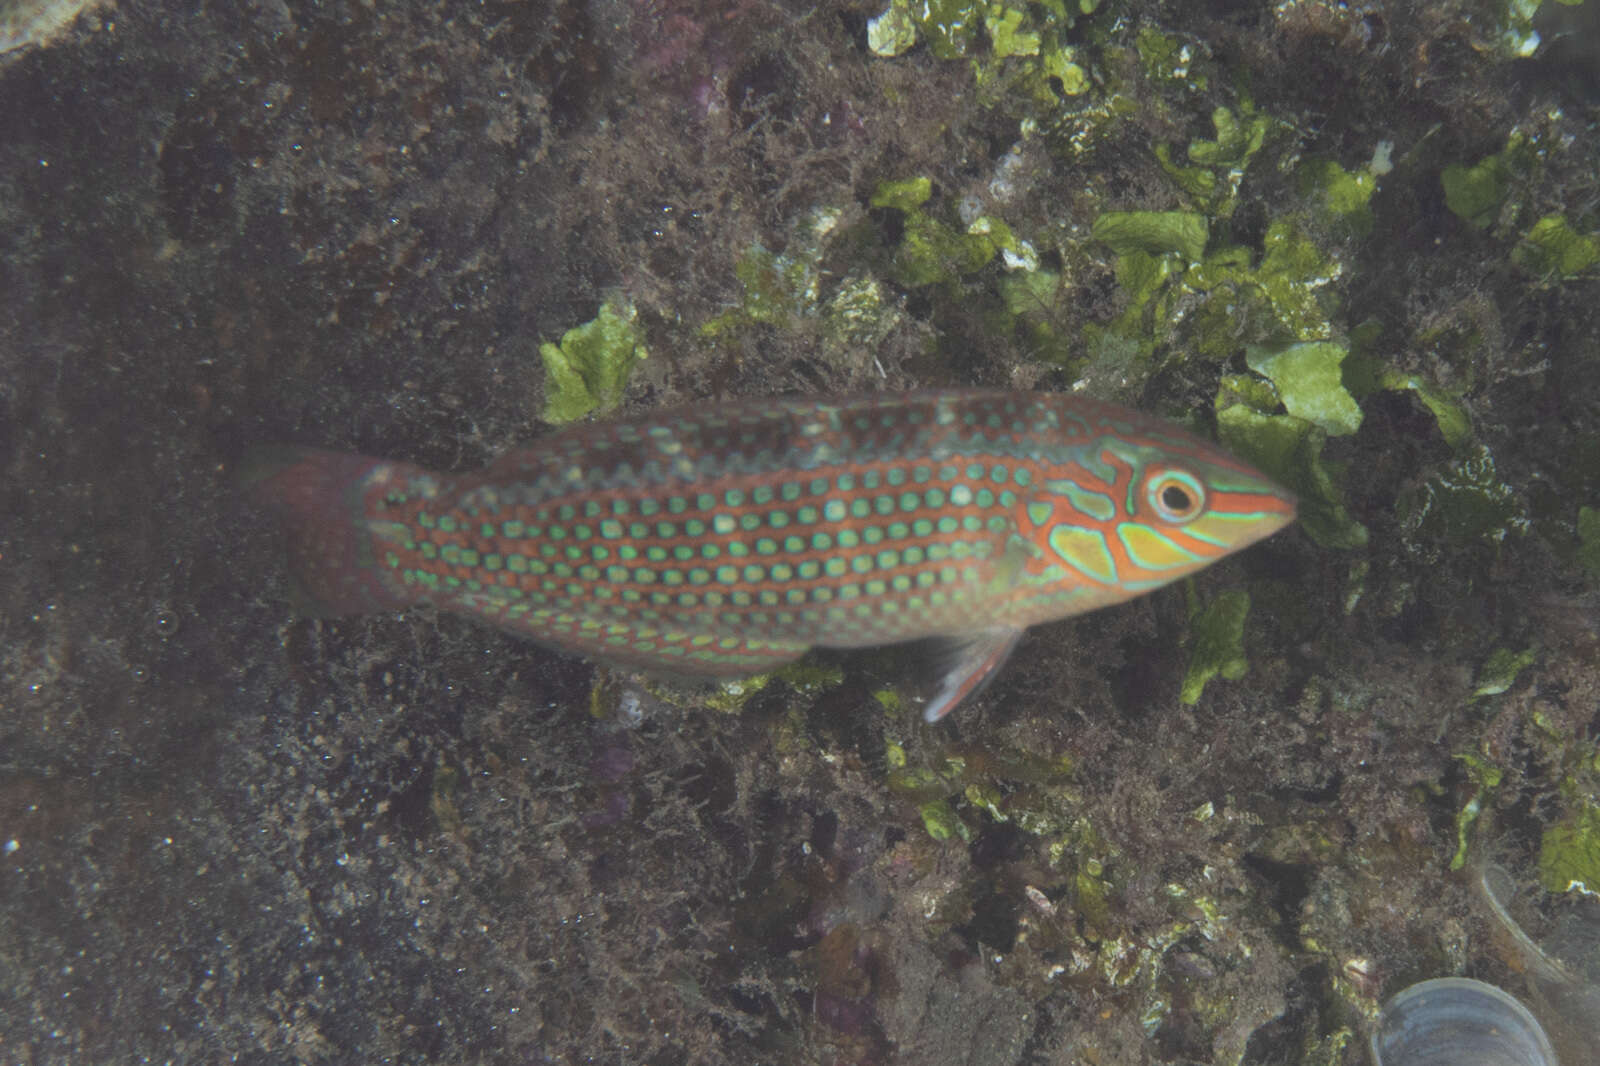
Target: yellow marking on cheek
1085 551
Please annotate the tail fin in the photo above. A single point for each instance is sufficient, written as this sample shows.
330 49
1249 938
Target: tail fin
322 499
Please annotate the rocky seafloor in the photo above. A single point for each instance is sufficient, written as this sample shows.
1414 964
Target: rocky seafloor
1216 825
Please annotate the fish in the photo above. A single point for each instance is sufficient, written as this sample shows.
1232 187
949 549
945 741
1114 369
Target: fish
725 540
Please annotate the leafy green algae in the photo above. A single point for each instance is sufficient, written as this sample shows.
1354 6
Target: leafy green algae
1553 249
1018 49
588 371
1499 672
1569 853
1309 382
1340 195
1218 166
1487 777
1476 193
1154 233
1218 648
1462 504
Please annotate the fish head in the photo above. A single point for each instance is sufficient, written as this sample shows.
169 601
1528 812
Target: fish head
1144 503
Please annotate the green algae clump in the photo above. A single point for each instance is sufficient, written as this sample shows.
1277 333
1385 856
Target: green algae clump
589 369
1553 249
1218 644
1569 854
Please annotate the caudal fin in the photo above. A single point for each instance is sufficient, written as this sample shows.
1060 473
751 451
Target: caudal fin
322 500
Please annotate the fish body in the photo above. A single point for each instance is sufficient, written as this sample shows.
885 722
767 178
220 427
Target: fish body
727 540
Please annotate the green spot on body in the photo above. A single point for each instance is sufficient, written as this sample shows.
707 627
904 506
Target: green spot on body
835 567
447 524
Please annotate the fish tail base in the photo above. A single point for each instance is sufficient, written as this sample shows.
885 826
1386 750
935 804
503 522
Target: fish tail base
320 498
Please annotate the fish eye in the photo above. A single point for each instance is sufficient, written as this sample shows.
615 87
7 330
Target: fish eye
1175 496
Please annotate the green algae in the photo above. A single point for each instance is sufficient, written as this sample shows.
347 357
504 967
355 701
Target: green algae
1339 196
1487 777
1476 193
588 371
942 823
907 195
1154 233
930 249
1553 250
1217 166
1450 416
1283 299
1569 853
1460 505
1018 51
1309 381
1499 671
1217 648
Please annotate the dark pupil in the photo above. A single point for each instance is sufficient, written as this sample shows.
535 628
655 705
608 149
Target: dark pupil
1175 499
